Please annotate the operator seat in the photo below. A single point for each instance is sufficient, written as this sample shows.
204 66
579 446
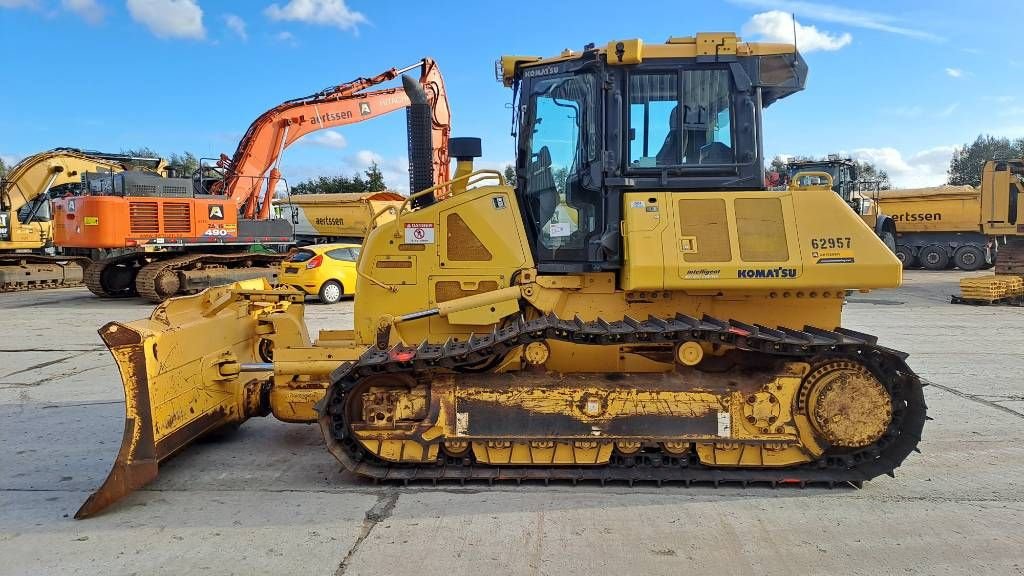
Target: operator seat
671 150
541 188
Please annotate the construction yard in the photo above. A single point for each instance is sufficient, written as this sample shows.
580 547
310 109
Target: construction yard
270 499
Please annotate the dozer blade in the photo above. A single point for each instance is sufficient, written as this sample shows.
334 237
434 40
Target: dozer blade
181 374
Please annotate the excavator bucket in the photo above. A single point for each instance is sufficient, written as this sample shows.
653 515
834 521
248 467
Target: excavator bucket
183 375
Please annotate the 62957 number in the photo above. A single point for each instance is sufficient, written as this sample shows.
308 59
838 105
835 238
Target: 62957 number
831 243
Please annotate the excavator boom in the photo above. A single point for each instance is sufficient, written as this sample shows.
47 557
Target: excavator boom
260 149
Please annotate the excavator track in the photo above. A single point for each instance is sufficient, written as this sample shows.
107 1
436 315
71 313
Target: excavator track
900 438
11 263
98 269
159 280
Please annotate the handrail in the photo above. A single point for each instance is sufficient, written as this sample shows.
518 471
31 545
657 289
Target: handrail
474 177
794 181
378 214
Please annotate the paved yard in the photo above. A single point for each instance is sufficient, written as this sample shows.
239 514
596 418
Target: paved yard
270 499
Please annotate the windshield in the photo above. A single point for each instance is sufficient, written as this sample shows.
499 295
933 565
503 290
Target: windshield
680 118
562 140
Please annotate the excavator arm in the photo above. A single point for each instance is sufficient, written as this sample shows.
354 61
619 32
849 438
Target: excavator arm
260 149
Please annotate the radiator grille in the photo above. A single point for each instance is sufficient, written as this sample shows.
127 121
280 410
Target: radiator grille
177 217
705 219
761 230
142 217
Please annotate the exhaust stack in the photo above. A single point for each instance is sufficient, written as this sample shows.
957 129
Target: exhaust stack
419 120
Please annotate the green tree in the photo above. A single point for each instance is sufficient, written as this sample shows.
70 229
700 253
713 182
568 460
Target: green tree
510 174
868 172
3 168
330 185
184 164
143 152
375 179
965 166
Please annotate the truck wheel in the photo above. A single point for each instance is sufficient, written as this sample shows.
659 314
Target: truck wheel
331 291
933 257
889 240
969 258
906 255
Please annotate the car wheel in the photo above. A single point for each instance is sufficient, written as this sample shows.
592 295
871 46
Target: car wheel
906 255
969 258
331 291
933 257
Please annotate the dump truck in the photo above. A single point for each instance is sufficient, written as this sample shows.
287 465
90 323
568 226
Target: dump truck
962 226
29 257
344 217
638 306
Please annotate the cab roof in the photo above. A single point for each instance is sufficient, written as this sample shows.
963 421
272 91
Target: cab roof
706 45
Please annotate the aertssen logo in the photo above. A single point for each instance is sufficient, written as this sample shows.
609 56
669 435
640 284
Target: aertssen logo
216 212
766 273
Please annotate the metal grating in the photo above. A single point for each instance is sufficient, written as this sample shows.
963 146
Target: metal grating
142 217
177 217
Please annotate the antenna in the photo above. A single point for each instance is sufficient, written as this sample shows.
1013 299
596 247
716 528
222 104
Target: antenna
793 15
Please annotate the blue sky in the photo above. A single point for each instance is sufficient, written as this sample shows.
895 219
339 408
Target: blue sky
899 83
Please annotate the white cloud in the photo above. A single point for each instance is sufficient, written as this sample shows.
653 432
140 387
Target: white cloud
839 15
284 36
320 12
169 18
10 160
954 72
777 26
88 10
924 168
236 25
326 139
948 110
18 3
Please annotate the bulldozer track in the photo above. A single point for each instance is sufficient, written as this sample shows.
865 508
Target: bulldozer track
16 259
810 344
148 280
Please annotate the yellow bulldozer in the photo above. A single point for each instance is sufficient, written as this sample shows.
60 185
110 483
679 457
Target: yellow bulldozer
637 307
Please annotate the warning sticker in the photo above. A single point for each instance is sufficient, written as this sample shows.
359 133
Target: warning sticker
724 425
417 233
91 220
559 229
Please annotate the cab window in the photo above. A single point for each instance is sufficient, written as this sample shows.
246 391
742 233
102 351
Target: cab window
679 119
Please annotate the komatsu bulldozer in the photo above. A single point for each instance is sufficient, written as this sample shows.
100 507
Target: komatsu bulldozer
637 307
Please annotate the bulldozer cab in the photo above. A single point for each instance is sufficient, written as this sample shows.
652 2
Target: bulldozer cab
663 118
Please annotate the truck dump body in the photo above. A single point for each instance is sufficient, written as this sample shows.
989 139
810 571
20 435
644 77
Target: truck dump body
938 227
937 209
322 218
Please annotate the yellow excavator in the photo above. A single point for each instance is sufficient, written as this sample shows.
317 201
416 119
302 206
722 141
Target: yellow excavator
26 218
637 307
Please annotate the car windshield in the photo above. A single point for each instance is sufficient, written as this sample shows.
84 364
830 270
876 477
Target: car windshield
301 256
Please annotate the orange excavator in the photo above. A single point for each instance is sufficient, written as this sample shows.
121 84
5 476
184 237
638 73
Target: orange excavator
169 236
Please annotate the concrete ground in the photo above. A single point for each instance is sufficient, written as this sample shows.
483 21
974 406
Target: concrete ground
270 500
